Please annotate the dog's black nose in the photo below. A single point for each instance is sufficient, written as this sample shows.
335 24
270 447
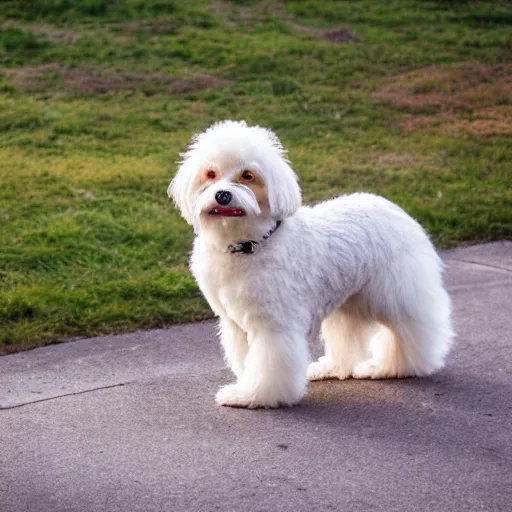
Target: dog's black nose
223 197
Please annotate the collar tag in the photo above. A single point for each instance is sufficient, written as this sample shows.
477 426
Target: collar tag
245 247
249 246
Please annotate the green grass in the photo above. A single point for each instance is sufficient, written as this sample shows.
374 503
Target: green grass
97 98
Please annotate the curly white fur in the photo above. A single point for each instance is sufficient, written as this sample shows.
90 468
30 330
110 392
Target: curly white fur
356 269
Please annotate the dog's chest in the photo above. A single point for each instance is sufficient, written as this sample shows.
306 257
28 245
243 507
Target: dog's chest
224 279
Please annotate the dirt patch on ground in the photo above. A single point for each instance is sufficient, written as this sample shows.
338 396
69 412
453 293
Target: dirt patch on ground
339 35
32 78
397 161
55 78
54 35
471 98
482 127
151 27
45 32
237 14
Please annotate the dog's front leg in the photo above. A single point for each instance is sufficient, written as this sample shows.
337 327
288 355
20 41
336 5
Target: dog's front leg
234 342
274 371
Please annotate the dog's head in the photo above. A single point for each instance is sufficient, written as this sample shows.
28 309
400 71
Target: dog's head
234 173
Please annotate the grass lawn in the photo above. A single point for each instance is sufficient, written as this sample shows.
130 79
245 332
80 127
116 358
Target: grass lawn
411 99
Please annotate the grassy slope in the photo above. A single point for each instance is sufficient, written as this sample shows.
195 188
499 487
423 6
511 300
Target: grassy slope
97 99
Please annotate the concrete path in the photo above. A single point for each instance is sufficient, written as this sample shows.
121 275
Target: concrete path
128 423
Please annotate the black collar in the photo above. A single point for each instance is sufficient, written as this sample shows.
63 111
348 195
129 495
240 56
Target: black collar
249 246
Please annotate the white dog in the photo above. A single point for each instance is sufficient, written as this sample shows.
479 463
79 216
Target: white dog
357 268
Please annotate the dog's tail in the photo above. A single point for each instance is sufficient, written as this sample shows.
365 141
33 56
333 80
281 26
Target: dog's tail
418 333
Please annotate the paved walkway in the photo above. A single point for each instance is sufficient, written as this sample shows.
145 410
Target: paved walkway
128 423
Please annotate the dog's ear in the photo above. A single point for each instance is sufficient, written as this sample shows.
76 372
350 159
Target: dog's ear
284 195
180 189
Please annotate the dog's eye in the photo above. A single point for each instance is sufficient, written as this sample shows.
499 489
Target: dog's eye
210 174
248 176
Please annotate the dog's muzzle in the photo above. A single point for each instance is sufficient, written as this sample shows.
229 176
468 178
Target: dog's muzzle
223 197
226 200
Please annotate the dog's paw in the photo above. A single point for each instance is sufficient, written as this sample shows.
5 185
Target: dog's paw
370 369
232 396
318 371
324 369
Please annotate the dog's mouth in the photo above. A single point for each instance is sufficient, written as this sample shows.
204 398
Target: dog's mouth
227 212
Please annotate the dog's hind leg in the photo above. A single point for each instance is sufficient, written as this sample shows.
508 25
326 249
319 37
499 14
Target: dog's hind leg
234 342
345 333
411 345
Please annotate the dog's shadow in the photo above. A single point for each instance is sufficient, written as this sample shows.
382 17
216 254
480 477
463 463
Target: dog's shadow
449 412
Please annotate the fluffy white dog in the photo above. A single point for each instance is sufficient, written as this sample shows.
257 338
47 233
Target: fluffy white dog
356 268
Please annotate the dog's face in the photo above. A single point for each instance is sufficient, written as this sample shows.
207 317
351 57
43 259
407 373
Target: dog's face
233 174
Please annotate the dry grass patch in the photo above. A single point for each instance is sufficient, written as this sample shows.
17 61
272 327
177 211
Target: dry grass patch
54 35
95 81
46 32
151 27
473 98
237 14
338 35
399 161
480 127
30 78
